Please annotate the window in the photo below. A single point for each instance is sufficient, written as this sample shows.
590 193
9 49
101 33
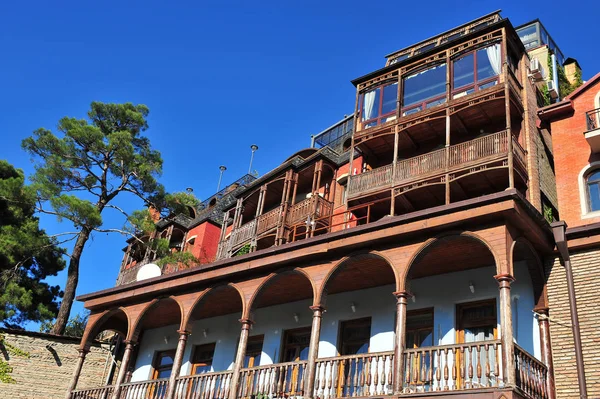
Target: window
379 105
253 351
163 363
419 328
477 70
202 358
593 191
355 336
476 321
295 345
529 36
424 90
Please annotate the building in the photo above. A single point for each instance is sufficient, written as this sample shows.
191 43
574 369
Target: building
404 257
575 127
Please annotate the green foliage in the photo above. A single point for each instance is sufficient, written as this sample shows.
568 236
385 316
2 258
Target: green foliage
27 255
5 368
564 86
181 258
180 202
75 327
548 213
243 250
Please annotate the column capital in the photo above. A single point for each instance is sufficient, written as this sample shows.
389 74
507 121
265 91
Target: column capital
183 333
246 323
542 310
130 344
317 308
402 295
504 279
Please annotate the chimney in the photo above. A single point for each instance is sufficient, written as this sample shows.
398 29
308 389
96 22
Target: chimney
572 71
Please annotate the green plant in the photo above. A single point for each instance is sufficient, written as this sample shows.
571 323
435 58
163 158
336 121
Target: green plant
5 368
548 213
243 250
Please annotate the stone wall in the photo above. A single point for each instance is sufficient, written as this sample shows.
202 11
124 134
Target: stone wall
586 273
47 373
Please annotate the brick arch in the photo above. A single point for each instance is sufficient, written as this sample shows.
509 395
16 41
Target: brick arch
428 245
104 321
204 297
270 281
535 267
135 327
347 261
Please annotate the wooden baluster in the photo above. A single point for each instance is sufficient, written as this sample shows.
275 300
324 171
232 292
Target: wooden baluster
446 374
355 379
438 370
470 368
318 371
487 365
478 354
330 378
302 369
390 379
324 377
454 384
348 378
382 377
279 389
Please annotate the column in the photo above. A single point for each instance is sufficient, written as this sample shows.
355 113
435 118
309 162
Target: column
506 329
124 365
401 300
313 351
546 347
175 371
77 371
239 358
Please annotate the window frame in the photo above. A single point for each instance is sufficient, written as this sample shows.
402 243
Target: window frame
255 339
379 119
588 195
195 363
285 346
423 104
476 84
360 322
156 367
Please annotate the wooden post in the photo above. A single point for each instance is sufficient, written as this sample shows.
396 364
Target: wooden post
506 329
449 89
313 351
394 163
401 300
546 347
511 171
124 365
183 336
239 358
77 371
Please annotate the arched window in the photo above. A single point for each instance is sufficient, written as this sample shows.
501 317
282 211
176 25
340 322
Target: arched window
593 191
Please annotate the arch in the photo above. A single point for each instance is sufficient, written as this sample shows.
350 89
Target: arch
114 319
428 247
379 270
522 249
170 310
284 286
224 294
583 190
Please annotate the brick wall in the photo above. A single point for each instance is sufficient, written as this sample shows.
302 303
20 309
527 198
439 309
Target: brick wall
47 373
547 178
586 272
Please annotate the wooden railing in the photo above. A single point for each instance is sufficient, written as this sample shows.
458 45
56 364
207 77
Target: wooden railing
242 234
267 221
153 389
275 380
369 374
93 393
447 160
452 367
324 207
201 386
300 211
372 180
531 374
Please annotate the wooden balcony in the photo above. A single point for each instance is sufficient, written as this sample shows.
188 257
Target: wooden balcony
470 367
450 160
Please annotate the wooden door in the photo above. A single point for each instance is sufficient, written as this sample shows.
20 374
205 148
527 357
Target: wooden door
354 339
419 334
296 343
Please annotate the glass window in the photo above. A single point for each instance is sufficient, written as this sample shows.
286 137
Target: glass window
423 86
355 336
253 351
529 36
295 345
488 62
379 105
464 73
419 328
593 189
477 70
163 363
202 358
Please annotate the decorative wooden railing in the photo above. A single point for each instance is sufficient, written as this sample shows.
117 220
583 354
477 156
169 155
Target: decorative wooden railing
93 393
531 374
242 234
452 367
368 374
592 119
447 160
201 386
372 180
300 211
275 380
267 221
324 207
153 389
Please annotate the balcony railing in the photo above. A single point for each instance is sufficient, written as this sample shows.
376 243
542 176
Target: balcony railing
274 380
93 393
593 119
208 385
154 389
368 374
452 367
268 221
531 374
447 160
242 234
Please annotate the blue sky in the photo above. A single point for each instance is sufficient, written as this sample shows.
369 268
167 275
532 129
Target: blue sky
219 76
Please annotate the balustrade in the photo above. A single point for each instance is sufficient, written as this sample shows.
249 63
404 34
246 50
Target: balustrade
154 389
267 221
372 180
367 374
93 393
274 380
242 234
204 386
452 367
531 374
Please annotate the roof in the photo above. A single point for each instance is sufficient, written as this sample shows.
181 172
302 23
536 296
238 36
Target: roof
584 87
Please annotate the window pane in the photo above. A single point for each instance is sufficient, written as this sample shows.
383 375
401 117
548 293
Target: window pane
165 360
594 191
463 71
488 62
164 374
528 35
371 104
594 177
390 98
423 85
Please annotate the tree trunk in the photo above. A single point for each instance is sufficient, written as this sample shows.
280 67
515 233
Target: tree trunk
72 279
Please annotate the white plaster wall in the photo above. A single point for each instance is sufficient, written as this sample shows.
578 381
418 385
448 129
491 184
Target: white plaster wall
441 292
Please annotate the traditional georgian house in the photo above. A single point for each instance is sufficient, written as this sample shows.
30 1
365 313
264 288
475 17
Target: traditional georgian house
401 255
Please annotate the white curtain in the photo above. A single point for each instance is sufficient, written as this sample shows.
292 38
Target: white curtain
493 54
368 105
